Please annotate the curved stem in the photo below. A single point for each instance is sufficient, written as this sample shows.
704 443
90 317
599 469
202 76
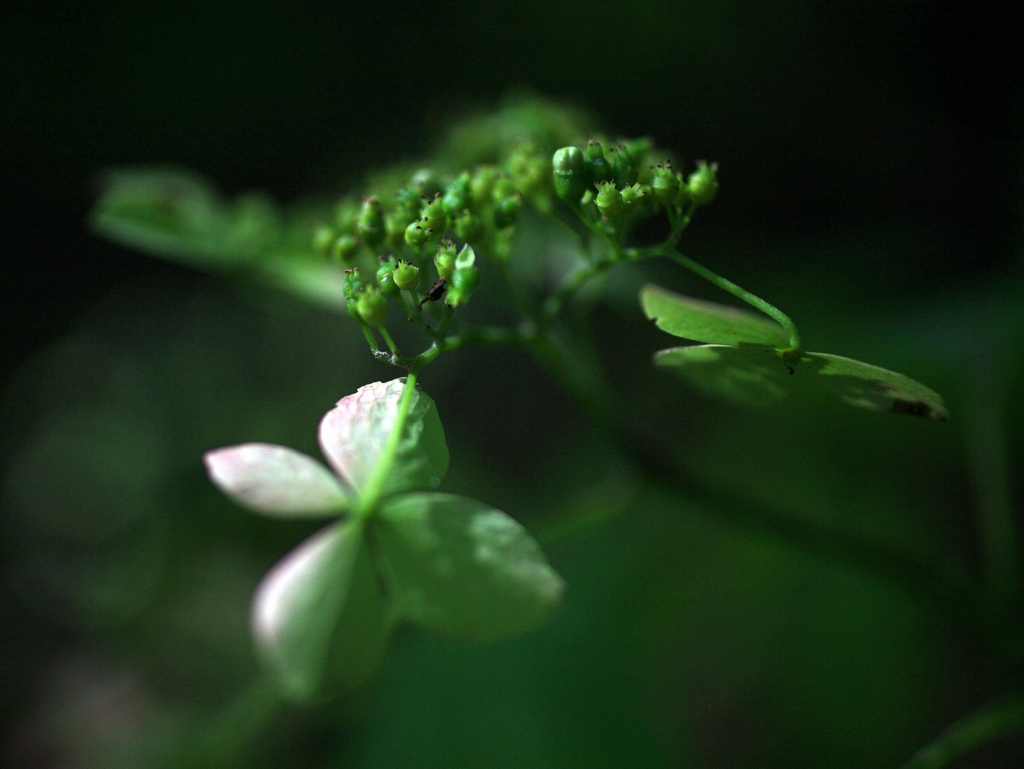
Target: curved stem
969 733
740 293
557 301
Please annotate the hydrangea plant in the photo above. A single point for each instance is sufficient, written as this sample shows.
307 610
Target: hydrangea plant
413 250
397 550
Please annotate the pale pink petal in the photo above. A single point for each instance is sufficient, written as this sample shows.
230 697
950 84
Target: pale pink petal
276 480
353 433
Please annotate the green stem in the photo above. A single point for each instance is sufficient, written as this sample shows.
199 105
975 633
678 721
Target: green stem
557 301
740 293
969 733
388 340
368 333
222 741
374 490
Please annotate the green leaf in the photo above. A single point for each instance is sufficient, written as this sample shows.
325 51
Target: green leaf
319 618
354 435
167 212
464 569
757 376
871 387
751 375
702 321
180 216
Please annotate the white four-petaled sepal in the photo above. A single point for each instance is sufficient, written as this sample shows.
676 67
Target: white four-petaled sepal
276 481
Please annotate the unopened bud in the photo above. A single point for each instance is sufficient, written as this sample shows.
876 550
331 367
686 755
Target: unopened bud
703 183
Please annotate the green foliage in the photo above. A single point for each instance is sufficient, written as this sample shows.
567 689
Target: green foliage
746 360
180 216
704 321
403 255
464 569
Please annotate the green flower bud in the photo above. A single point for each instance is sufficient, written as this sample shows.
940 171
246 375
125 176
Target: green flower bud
598 168
344 247
466 277
481 184
345 214
424 183
457 196
468 226
632 195
323 239
703 183
623 165
351 289
463 283
386 277
408 202
434 216
503 188
507 211
370 224
394 228
444 259
417 233
406 275
353 284
665 184
569 174
372 306
609 200
528 168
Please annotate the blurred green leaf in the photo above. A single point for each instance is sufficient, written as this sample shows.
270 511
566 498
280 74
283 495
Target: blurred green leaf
355 433
463 568
757 376
702 321
180 216
751 375
319 617
871 387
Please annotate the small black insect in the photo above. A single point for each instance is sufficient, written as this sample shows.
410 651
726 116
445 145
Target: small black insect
436 291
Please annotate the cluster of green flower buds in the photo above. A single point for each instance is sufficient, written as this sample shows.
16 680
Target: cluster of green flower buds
617 180
389 235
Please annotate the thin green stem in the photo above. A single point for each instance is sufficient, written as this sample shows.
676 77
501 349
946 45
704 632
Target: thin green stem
388 340
557 301
740 293
374 490
223 739
405 305
972 731
370 339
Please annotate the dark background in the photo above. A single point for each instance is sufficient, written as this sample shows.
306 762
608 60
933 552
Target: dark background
871 166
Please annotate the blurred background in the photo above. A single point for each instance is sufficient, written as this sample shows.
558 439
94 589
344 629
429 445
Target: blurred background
871 170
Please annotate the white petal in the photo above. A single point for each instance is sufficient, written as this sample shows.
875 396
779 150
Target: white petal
276 480
354 432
